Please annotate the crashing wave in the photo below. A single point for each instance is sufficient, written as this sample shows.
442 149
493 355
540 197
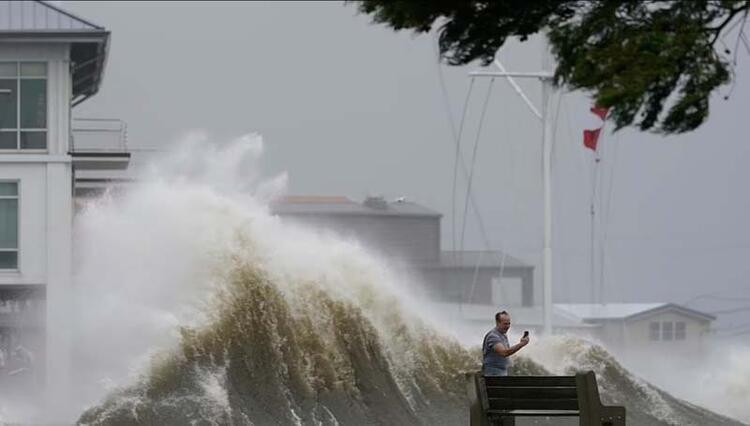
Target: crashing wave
294 327
302 356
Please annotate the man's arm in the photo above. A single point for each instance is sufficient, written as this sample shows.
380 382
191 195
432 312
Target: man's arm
506 352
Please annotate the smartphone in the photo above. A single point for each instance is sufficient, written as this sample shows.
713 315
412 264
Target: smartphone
526 333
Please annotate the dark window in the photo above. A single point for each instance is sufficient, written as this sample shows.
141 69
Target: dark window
666 330
8 259
8 225
654 331
8 103
33 140
679 330
34 104
8 140
23 105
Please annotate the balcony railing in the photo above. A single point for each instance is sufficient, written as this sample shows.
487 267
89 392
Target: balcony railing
99 144
99 135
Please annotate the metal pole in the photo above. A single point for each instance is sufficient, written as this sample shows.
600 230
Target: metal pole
509 76
545 77
504 73
592 253
547 135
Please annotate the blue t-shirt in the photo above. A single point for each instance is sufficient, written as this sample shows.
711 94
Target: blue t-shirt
490 357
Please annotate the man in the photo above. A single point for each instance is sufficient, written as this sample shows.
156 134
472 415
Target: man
496 350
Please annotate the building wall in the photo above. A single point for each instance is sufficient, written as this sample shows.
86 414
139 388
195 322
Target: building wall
45 179
58 88
59 280
637 332
405 238
633 336
455 284
45 205
506 292
32 222
612 334
415 241
458 285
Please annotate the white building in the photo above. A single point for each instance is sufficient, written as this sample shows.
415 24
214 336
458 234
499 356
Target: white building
50 61
642 328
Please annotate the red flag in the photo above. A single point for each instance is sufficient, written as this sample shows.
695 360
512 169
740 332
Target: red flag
590 138
600 112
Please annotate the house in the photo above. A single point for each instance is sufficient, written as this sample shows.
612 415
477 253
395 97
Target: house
50 61
642 327
409 234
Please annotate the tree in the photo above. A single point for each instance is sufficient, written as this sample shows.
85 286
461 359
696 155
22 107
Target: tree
655 63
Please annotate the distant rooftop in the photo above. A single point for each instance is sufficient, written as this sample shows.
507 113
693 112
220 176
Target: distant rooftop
40 21
20 16
313 199
622 311
338 205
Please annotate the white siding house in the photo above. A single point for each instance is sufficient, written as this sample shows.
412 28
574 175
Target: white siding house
50 61
643 328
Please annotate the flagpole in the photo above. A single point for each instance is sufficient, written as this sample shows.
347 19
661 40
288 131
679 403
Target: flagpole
547 135
592 231
545 116
591 141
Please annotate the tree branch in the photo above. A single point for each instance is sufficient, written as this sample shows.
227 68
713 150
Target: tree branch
732 13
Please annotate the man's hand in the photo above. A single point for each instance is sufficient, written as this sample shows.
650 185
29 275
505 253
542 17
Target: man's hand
503 351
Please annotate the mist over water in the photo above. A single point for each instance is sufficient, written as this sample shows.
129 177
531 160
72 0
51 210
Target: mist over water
149 260
717 378
192 303
192 242
652 385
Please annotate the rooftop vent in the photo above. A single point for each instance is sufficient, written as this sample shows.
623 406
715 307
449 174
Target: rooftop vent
377 202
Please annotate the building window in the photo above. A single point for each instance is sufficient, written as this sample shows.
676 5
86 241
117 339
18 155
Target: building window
654 331
666 330
23 105
679 330
8 225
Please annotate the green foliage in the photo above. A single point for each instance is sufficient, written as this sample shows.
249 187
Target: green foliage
654 63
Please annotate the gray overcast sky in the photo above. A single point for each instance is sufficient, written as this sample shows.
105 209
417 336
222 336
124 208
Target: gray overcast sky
351 108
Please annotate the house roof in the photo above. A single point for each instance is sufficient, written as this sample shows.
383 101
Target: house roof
315 199
625 311
43 22
337 205
40 16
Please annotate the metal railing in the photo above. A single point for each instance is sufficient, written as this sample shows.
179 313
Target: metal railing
98 135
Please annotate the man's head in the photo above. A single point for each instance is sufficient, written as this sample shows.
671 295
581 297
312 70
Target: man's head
502 319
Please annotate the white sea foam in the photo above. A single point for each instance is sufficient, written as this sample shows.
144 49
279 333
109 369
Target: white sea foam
150 261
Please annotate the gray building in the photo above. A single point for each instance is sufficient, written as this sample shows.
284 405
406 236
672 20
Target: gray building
409 234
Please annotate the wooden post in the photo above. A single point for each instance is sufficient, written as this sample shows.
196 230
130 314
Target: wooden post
588 399
592 412
477 416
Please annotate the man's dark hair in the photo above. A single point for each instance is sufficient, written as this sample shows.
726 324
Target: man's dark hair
497 315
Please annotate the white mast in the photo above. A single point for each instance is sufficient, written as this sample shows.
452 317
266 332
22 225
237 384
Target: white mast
547 135
545 77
